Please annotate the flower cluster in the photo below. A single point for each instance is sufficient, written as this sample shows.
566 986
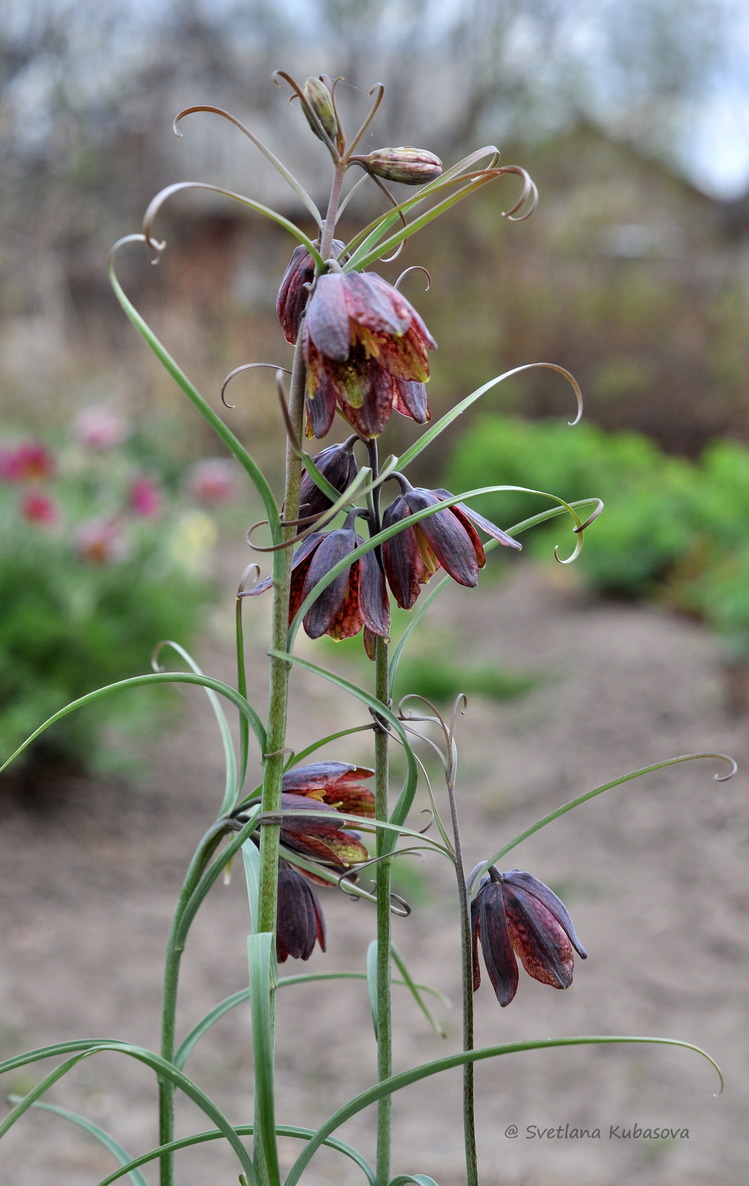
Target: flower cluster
314 798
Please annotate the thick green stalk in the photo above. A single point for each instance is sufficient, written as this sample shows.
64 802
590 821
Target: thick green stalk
278 704
384 941
469 1118
174 948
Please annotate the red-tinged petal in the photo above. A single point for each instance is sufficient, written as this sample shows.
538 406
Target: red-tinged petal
471 532
334 547
410 399
520 880
539 940
485 524
404 357
327 321
293 295
496 944
372 416
404 567
448 538
319 412
373 599
354 800
371 304
404 308
348 620
325 775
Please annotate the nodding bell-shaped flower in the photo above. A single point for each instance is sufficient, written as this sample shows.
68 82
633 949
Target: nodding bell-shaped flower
336 783
336 463
446 539
295 289
356 598
514 914
299 919
365 348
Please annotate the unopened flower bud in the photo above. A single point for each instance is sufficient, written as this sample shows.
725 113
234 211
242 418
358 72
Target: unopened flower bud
411 166
321 101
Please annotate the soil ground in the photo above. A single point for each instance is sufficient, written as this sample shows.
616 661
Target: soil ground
654 873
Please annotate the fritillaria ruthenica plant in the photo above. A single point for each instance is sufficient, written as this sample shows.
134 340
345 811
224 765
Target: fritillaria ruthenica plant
348 536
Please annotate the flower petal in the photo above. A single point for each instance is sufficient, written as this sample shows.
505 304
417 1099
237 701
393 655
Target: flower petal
334 547
404 567
410 399
452 544
375 304
496 945
373 600
520 880
327 321
299 919
485 524
543 947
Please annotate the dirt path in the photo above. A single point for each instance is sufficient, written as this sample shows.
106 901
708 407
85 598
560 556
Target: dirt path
655 874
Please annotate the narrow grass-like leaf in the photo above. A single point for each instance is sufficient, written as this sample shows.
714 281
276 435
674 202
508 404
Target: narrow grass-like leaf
104 1138
445 421
262 968
287 175
212 873
223 432
420 610
418 1179
164 1070
599 790
243 1130
449 1062
230 760
416 991
267 212
243 995
154 677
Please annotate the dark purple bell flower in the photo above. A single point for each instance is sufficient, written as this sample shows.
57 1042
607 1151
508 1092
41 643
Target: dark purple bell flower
365 348
446 539
299 919
514 914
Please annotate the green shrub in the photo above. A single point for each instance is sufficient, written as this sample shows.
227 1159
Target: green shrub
671 528
101 561
648 520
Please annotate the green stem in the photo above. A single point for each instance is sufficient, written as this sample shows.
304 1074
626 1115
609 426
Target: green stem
469 1118
277 721
384 940
174 948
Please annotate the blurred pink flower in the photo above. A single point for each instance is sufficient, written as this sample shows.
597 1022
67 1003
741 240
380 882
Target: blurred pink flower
100 541
39 508
212 480
100 428
145 497
29 462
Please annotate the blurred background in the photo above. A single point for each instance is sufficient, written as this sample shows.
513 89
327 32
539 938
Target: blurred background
121 524
633 273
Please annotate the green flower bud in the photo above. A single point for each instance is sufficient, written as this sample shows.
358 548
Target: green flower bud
411 166
320 100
